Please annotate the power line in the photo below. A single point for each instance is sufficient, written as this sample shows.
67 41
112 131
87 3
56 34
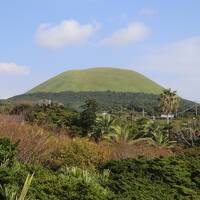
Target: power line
193 107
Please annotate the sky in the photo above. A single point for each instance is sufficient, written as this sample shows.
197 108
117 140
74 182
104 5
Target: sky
42 38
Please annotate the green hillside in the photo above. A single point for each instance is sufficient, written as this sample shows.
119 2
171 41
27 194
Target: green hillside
99 79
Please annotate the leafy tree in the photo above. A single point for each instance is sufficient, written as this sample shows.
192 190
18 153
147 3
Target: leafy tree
169 102
53 115
88 115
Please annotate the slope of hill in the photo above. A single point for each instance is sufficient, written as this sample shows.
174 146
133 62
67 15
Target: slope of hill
113 88
99 79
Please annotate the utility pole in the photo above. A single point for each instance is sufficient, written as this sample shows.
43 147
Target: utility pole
143 114
196 109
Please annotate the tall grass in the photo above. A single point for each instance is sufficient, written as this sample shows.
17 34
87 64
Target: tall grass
35 143
39 146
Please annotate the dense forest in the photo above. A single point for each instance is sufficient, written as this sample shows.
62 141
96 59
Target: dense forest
107 101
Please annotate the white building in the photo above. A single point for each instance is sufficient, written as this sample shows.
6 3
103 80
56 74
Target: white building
170 116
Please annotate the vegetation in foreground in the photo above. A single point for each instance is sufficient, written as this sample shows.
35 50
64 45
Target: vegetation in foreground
162 178
87 154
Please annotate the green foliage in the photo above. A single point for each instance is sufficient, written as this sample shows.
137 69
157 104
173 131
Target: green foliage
107 100
7 151
5 107
91 179
88 115
102 127
67 184
25 188
79 152
164 178
20 109
120 134
53 114
161 139
11 193
156 133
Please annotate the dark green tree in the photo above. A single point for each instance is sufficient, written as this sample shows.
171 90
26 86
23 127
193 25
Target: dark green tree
88 115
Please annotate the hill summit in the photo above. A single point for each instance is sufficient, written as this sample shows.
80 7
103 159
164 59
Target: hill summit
99 79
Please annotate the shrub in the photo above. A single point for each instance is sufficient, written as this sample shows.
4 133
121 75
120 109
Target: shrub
52 115
11 193
189 133
79 152
21 109
162 178
32 140
51 185
42 147
7 151
138 148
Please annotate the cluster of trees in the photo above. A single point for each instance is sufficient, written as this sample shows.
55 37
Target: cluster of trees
107 101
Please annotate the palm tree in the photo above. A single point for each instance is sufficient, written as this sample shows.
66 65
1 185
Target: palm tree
103 126
161 139
105 121
169 102
119 134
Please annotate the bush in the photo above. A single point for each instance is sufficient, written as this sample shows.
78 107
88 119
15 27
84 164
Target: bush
138 148
21 109
38 146
79 152
7 151
33 142
163 178
67 184
52 115
189 133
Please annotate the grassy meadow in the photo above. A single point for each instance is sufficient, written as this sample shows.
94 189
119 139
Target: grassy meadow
91 80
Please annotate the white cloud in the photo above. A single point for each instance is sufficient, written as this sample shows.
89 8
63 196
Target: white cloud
133 33
177 65
147 12
68 32
12 68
